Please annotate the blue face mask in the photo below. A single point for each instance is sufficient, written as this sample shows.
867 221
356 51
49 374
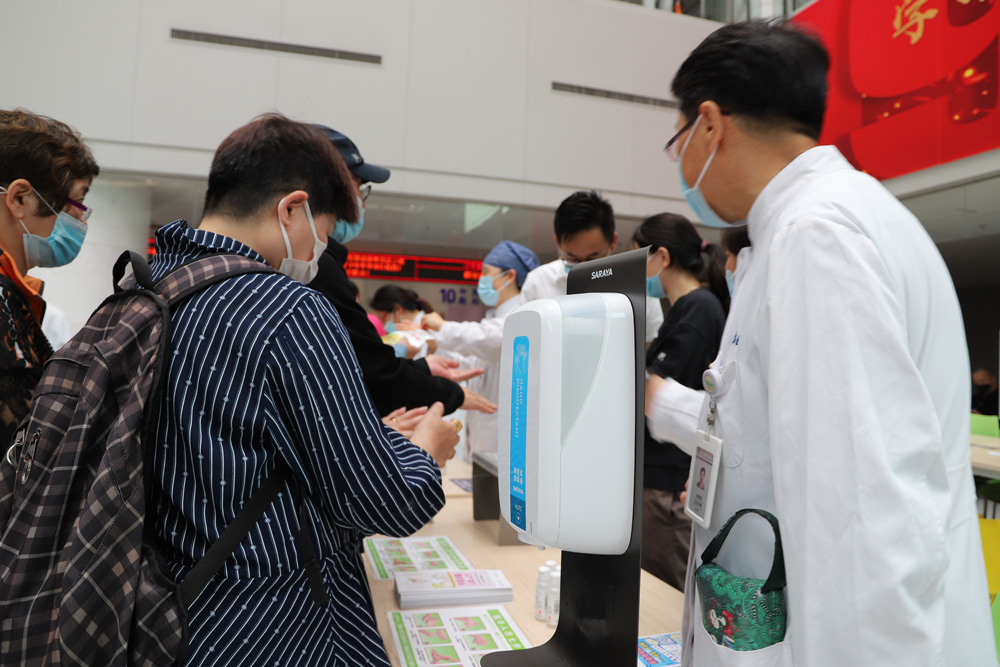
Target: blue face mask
693 195
487 294
58 248
729 281
344 231
654 287
390 327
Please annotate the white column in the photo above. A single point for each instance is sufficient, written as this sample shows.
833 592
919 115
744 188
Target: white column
120 221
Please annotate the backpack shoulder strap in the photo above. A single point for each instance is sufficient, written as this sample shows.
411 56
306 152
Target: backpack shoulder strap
141 273
198 274
197 579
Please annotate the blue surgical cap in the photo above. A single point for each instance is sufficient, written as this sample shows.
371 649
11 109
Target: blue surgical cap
510 255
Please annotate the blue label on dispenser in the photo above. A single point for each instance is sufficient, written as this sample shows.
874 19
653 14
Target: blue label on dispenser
518 430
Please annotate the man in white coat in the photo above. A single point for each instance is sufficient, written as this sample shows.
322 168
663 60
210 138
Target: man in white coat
583 229
843 405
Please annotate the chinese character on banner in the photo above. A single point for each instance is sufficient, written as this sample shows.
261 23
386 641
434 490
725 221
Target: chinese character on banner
912 83
910 19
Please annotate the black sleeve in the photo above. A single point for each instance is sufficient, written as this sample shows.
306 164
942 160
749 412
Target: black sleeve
392 382
684 357
687 343
689 339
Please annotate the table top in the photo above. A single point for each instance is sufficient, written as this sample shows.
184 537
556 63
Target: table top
985 455
660 605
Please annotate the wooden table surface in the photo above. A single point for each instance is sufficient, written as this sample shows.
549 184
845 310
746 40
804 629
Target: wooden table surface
985 456
660 605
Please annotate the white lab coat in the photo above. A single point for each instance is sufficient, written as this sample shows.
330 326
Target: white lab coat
57 327
549 280
477 345
845 413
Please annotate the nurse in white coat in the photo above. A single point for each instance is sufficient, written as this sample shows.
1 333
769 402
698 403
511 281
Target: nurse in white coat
478 344
843 407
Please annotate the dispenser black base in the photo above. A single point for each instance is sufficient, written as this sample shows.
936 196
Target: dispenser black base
599 595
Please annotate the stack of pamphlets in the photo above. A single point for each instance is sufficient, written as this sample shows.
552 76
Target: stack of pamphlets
413 554
458 636
452 587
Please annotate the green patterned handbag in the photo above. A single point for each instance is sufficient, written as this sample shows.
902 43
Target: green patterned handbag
741 613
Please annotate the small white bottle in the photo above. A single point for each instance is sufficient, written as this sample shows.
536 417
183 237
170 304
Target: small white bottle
552 600
551 564
541 593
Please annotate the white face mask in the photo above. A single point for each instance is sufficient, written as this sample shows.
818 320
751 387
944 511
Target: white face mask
298 269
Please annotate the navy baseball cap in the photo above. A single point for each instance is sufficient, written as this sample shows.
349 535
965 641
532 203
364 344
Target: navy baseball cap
352 156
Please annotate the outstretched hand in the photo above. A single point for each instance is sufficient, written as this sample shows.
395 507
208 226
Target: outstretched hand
404 420
474 401
448 368
432 321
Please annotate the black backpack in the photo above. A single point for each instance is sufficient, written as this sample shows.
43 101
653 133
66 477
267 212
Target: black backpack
81 577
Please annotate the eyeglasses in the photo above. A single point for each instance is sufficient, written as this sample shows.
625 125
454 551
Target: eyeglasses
573 262
365 191
84 214
671 148
85 211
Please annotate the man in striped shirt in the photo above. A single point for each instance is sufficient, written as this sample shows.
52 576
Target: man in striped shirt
262 370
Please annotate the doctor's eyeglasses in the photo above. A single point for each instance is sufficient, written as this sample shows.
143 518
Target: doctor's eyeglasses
671 148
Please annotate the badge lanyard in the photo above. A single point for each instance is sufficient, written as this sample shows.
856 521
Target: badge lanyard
707 458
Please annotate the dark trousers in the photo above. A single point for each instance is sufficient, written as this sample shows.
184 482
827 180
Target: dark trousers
666 536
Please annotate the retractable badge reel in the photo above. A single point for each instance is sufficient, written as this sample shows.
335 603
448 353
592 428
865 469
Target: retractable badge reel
707 457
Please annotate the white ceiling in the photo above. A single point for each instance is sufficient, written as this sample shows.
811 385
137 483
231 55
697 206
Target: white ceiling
959 212
964 220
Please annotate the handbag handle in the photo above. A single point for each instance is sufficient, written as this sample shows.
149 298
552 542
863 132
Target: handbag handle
776 579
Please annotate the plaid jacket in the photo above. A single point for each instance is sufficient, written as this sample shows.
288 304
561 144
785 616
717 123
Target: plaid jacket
72 506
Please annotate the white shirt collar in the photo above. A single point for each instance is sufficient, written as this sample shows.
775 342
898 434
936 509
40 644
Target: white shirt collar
505 308
790 181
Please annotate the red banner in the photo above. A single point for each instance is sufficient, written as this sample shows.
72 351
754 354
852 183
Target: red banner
913 83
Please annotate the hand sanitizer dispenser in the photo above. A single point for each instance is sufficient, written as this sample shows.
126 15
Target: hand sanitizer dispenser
566 450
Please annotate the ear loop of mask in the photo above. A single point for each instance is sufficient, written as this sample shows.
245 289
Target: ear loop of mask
684 149
284 234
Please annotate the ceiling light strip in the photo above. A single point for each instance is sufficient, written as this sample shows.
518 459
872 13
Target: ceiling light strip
613 95
266 45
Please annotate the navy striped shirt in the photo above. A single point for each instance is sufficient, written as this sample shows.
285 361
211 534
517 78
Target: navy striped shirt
262 368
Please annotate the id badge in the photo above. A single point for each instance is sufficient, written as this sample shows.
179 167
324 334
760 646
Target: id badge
703 477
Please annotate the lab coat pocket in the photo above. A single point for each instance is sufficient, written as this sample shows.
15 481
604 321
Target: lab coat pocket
729 406
708 653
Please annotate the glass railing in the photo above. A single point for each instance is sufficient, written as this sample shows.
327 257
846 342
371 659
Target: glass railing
726 10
